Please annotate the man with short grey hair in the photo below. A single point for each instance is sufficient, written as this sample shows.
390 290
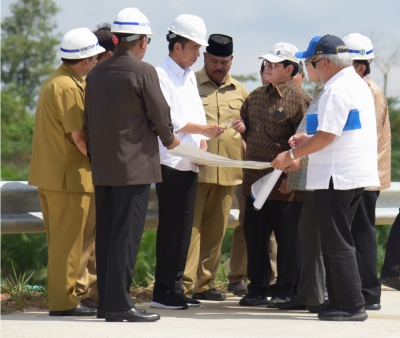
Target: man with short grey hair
342 162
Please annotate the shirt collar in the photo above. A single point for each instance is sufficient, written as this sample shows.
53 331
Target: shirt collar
339 74
124 51
282 89
176 69
71 72
203 78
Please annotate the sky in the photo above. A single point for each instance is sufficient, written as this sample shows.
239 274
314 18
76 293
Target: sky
255 25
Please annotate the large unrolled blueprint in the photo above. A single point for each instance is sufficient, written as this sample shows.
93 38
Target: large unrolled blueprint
200 156
261 189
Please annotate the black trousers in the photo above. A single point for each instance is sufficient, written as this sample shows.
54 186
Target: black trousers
282 218
364 236
335 211
391 265
120 217
311 285
176 200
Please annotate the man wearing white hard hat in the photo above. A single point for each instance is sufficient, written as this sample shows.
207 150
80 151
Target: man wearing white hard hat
177 192
269 116
125 111
61 170
363 225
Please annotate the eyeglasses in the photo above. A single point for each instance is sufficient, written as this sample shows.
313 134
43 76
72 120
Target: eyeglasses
147 39
269 64
314 63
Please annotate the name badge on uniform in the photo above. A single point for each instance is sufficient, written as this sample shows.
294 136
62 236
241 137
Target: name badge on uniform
353 122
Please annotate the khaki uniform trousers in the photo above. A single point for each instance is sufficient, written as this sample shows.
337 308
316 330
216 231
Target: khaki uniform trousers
86 285
65 215
238 259
212 209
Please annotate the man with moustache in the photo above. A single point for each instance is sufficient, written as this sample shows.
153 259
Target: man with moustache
222 98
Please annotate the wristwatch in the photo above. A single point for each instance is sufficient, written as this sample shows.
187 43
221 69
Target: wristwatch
292 155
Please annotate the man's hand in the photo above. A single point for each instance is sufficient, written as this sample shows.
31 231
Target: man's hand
282 189
282 161
239 125
212 130
296 165
175 143
298 139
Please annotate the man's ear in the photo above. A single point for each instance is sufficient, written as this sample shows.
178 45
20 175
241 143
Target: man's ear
108 54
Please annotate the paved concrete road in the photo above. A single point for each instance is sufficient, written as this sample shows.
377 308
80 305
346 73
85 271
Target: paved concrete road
212 319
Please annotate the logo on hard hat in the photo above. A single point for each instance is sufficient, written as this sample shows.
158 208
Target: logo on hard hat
278 52
362 52
87 48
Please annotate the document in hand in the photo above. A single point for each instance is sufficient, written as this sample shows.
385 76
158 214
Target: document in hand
261 189
200 156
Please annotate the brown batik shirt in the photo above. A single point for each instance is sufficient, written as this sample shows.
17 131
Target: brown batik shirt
271 115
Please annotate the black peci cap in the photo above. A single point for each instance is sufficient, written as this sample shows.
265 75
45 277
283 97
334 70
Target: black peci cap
220 45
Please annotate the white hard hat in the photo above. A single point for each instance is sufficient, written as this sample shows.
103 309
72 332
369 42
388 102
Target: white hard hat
190 27
80 43
360 47
280 52
131 20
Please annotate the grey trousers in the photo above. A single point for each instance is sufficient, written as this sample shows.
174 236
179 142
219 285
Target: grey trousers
311 287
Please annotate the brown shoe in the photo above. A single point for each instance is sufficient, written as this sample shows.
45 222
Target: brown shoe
89 302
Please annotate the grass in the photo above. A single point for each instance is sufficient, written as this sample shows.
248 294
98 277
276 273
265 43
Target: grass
17 294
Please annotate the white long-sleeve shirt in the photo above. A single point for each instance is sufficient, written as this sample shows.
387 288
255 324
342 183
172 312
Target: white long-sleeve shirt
179 87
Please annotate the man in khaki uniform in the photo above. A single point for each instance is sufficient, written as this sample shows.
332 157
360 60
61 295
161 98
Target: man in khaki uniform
222 98
61 171
86 285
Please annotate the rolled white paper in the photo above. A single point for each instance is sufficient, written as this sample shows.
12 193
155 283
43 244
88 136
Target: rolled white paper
268 182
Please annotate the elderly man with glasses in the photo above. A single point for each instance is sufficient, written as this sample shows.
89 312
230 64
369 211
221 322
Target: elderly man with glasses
269 116
342 162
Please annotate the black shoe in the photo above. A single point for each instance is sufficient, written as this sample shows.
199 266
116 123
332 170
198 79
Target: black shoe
80 310
238 289
189 301
132 315
335 314
277 299
292 304
372 307
391 282
317 308
101 314
253 300
168 300
210 294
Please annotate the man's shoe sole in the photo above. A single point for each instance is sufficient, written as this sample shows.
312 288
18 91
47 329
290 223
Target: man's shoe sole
256 303
389 284
201 297
170 307
138 319
192 305
354 318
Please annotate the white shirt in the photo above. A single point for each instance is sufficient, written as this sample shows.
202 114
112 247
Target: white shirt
179 87
351 159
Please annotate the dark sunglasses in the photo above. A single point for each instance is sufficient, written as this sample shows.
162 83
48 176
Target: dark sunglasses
314 63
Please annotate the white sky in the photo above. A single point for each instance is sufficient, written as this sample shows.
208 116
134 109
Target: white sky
255 25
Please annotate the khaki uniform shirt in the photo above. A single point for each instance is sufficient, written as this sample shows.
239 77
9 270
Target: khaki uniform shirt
271 115
56 160
383 133
222 104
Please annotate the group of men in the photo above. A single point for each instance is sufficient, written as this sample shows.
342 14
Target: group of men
100 141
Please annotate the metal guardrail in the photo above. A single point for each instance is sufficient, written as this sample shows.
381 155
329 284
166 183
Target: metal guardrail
21 212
